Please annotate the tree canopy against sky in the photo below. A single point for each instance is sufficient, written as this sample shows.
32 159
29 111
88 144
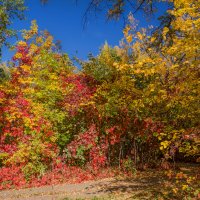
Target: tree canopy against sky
97 31
134 106
114 9
9 10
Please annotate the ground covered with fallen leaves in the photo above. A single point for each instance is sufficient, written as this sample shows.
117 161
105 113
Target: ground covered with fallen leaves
150 184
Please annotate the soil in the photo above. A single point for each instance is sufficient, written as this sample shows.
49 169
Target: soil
144 185
111 188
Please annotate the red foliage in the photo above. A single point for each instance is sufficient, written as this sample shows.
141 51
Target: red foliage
83 90
95 150
12 177
23 50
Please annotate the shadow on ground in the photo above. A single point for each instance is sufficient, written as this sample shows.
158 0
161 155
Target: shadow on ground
144 185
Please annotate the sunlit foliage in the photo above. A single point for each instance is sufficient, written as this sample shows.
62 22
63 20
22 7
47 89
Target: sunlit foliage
134 106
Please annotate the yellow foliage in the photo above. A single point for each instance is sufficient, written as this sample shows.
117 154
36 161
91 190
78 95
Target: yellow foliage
126 31
22 43
26 68
129 38
139 36
18 55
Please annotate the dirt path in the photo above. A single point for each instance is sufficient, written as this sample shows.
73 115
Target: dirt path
145 185
112 188
72 191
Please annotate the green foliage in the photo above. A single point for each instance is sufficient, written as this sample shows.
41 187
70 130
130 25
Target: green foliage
134 106
9 9
4 72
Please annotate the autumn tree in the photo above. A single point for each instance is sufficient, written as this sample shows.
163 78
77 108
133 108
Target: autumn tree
133 106
167 76
9 10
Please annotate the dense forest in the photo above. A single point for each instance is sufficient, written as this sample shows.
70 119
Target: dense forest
132 107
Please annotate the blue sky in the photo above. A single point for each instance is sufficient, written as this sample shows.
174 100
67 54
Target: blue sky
64 20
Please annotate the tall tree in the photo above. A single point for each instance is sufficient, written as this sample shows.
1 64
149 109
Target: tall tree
9 10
